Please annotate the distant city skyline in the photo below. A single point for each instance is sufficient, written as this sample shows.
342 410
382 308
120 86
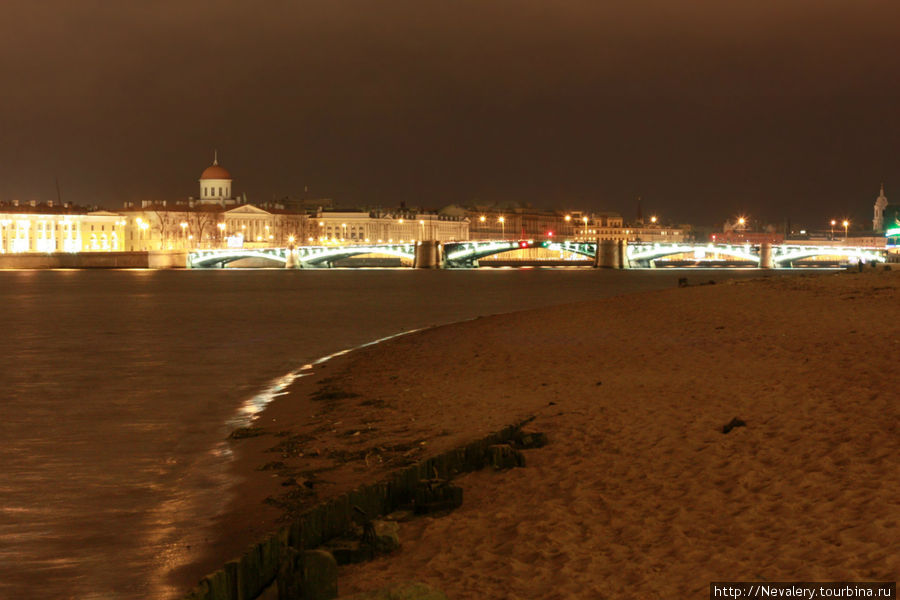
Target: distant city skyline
705 110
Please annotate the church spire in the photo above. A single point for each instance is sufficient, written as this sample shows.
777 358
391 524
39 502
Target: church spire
880 204
216 158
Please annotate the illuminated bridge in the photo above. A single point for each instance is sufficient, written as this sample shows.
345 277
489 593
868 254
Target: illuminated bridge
613 254
299 257
775 256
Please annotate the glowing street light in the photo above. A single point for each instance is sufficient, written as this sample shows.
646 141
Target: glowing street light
502 222
846 224
833 223
653 219
144 225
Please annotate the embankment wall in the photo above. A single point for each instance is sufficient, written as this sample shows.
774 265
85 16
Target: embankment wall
257 571
96 260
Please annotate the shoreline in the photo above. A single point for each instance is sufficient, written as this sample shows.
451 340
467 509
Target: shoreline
408 410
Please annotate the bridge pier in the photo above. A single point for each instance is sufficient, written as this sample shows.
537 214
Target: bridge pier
291 261
610 254
428 255
766 258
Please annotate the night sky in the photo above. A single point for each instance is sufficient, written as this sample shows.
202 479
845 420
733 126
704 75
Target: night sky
704 108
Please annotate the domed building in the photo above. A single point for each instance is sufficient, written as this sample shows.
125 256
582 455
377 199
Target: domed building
215 184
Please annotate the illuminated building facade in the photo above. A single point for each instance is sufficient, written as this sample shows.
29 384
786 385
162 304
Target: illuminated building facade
385 227
49 229
214 220
183 227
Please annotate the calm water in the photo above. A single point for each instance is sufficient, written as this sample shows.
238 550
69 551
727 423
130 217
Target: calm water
116 388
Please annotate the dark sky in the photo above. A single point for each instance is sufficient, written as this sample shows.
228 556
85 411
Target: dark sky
704 108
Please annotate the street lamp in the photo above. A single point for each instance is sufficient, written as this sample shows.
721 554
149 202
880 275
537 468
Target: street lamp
584 229
144 225
183 226
221 227
422 223
846 224
653 219
502 227
833 223
569 222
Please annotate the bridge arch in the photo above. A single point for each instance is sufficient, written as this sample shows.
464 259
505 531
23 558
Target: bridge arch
785 256
647 254
588 249
210 258
318 255
465 254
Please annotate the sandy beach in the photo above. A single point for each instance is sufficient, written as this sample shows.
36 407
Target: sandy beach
639 493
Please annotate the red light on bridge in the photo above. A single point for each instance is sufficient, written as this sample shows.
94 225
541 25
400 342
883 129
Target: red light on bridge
549 234
523 244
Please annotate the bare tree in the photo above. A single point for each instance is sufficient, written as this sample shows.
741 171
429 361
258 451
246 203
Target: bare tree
165 224
202 223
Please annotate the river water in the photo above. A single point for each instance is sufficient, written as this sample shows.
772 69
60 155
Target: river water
117 387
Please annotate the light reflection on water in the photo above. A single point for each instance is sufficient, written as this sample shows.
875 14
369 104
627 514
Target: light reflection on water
251 408
119 387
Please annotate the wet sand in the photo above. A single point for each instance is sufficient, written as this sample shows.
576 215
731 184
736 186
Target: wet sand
639 493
